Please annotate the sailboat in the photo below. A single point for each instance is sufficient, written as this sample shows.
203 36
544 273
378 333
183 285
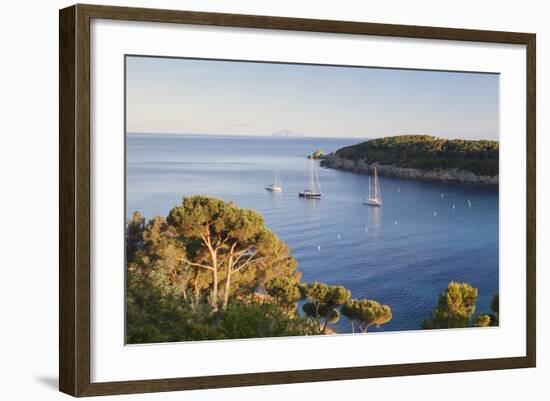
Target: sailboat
375 197
276 186
314 190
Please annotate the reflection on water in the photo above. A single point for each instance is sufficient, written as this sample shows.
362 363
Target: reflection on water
374 216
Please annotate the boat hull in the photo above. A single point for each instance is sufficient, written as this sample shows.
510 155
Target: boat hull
309 195
274 189
372 202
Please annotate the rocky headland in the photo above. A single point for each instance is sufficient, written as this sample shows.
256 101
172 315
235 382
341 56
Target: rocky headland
421 157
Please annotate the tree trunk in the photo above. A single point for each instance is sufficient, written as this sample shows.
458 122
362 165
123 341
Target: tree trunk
228 277
214 293
227 288
352 326
185 295
196 291
317 317
325 326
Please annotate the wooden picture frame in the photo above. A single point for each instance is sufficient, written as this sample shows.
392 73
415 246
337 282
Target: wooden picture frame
74 199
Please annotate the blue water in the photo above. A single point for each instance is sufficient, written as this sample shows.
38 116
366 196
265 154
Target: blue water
400 254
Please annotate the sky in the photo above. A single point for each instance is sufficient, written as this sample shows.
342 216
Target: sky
193 96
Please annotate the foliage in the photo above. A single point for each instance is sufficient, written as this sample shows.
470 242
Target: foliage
427 153
226 241
154 317
256 320
495 303
366 313
134 235
495 308
490 319
323 304
483 320
159 259
455 307
176 264
285 291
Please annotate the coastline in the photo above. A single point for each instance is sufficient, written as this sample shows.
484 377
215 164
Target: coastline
358 249
452 175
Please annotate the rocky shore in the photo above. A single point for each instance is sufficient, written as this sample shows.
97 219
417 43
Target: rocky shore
441 175
317 155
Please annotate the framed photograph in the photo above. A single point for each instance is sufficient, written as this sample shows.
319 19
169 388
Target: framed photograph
249 200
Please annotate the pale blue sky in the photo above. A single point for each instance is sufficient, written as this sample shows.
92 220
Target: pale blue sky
168 95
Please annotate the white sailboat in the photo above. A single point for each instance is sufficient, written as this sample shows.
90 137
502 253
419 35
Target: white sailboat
277 186
314 189
374 197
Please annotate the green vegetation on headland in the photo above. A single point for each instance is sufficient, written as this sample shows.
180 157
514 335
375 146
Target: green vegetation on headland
414 156
211 270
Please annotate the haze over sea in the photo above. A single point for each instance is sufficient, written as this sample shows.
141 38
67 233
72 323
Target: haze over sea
402 254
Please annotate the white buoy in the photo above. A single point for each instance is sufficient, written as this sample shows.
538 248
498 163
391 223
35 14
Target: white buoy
395 222
435 214
318 247
442 195
366 229
339 236
398 189
454 206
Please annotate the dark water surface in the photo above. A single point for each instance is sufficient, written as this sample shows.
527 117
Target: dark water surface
402 254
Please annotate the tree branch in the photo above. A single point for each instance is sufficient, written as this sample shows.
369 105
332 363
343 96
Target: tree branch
196 264
243 253
248 262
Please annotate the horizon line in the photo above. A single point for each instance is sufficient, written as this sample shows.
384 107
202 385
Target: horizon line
299 136
273 135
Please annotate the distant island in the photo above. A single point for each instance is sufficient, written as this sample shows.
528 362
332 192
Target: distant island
422 157
286 133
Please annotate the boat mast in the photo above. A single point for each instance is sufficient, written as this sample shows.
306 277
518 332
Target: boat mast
318 182
370 188
311 179
377 186
277 179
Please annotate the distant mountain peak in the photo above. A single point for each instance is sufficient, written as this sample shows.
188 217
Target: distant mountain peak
287 133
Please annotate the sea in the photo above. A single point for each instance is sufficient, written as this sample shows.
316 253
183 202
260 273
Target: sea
402 254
